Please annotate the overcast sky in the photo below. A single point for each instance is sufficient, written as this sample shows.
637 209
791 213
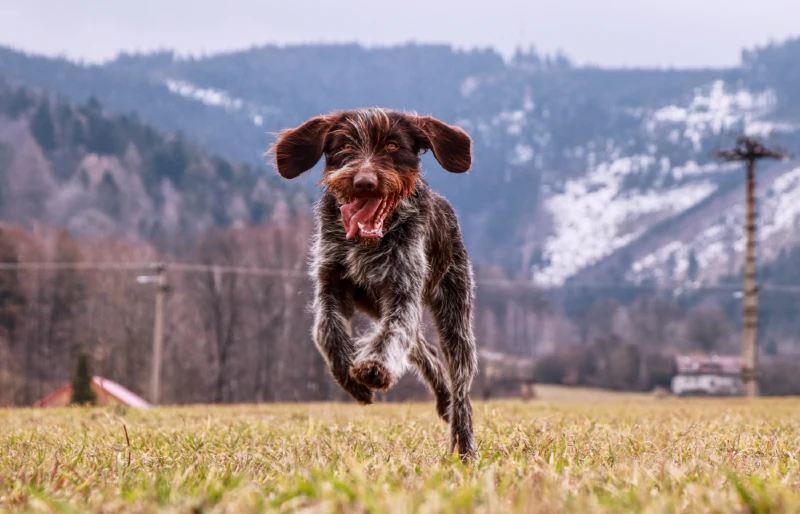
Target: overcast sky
605 32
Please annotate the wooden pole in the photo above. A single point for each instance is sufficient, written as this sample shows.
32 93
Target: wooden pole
749 150
158 332
750 300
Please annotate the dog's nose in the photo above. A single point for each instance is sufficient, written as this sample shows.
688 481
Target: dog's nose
365 183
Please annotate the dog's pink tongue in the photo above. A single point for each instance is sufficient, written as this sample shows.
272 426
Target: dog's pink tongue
360 210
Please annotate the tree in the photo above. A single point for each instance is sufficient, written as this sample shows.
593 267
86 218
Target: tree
82 393
599 320
78 133
67 297
18 102
168 161
650 318
103 135
109 196
42 127
222 306
708 329
12 294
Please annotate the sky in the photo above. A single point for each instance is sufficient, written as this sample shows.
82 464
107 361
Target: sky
653 33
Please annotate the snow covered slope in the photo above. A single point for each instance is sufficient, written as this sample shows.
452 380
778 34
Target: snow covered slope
607 209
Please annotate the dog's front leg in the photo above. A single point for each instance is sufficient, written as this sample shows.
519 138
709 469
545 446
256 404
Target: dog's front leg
333 309
383 355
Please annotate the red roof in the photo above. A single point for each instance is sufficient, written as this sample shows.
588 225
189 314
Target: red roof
123 395
104 385
719 364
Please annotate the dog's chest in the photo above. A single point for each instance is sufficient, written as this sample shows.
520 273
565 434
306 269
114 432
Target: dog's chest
398 257
368 267
399 266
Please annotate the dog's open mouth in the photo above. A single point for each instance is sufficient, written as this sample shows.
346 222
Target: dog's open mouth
365 216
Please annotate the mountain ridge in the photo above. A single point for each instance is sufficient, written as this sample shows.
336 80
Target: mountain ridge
572 164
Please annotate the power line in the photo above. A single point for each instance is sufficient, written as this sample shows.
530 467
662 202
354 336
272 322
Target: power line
150 266
57 266
154 266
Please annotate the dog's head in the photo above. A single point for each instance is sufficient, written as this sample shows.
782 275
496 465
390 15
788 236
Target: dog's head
371 160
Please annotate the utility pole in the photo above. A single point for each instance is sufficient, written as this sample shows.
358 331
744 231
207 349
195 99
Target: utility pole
749 150
160 280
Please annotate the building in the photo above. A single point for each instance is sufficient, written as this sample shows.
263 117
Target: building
107 391
703 375
504 373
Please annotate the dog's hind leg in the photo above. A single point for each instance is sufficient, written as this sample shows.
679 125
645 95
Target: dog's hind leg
451 305
423 357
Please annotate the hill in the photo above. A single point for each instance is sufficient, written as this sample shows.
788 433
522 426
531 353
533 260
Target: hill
104 175
580 173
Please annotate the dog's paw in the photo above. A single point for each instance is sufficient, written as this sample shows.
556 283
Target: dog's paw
465 445
361 393
372 374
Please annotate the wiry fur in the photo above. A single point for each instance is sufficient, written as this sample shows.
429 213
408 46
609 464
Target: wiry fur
420 262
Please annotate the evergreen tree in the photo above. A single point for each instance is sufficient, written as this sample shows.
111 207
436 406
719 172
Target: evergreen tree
78 134
18 102
6 156
168 161
103 137
109 196
82 393
12 295
43 128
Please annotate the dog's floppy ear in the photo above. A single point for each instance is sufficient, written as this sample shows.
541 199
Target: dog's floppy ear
451 146
297 150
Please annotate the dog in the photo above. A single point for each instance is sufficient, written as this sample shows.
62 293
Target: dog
387 245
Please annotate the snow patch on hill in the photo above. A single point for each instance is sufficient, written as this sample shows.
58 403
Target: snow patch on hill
716 109
593 216
670 171
718 249
219 98
207 96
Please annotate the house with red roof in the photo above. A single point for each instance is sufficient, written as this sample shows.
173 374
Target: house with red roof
107 392
708 375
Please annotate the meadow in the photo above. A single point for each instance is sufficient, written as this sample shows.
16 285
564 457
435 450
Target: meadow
567 451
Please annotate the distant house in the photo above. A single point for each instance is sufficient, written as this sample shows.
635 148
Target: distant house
108 393
499 372
703 375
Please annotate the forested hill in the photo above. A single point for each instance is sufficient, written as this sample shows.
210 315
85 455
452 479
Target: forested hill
575 166
105 175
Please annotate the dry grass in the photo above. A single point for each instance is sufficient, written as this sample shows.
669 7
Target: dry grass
607 454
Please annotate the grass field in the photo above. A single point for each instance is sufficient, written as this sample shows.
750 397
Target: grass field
565 452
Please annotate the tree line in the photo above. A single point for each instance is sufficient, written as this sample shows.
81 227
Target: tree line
242 338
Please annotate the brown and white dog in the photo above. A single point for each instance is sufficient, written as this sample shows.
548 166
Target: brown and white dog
387 245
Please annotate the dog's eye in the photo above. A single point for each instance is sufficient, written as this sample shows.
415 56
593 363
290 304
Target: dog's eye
347 147
391 146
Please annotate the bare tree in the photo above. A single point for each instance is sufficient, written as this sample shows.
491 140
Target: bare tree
709 329
221 306
650 318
